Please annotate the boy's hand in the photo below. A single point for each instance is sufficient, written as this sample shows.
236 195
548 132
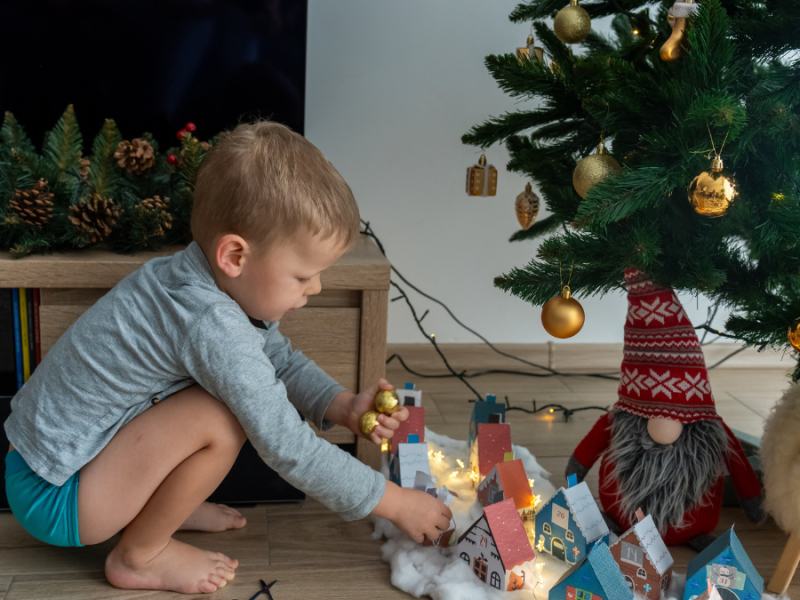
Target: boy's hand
365 401
415 512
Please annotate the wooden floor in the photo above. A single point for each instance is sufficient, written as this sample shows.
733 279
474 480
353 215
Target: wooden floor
314 554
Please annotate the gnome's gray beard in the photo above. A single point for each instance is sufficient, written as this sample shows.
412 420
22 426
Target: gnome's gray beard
665 481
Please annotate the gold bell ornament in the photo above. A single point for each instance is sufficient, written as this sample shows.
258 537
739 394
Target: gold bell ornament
678 18
593 169
563 316
527 207
481 179
530 51
794 334
572 23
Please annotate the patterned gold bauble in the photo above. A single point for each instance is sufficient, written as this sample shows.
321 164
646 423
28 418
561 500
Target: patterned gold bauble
387 402
527 207
794 334
530 52
712 192
563 316
572 24
593 169
368 422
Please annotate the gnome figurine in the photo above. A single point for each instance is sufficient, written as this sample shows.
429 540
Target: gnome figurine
664 448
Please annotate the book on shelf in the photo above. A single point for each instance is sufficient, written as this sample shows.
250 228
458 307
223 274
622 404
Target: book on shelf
8 353
20 337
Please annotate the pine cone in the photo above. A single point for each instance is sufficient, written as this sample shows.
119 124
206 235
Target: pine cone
94 217
135 156
34 205
157 204
85 162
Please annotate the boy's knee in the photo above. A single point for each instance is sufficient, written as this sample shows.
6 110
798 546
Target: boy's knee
215 418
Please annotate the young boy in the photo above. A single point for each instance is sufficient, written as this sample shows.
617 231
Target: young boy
147 398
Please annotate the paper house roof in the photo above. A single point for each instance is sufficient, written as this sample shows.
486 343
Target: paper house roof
413 458
652 544
514 482
584 510
414 425
509 533
494 440
716 548
481 411
605 568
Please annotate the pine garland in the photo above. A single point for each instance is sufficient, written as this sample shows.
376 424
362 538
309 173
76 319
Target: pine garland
737 80
147 207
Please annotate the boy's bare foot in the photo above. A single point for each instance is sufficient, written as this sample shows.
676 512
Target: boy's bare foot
214 517
177 567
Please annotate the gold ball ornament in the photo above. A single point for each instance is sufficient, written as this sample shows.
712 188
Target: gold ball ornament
712 192
387 402
794 334
593 169
563 316
368 422
527 207
572 23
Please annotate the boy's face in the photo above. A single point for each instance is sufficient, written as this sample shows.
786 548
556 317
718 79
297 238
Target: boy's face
270 284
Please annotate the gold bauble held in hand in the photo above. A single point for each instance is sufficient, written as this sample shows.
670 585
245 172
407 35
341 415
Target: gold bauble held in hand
572 23
593 169
368 422
712 192
527 207
563 316
387 402
794 334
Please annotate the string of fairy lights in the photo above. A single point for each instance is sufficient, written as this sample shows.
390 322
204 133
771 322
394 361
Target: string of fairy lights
464 376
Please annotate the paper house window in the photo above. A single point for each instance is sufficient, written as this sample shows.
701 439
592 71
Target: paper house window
479 567
570 536
408 400
584 595
495 418
495 580
664 581
633 554
546 528
641 573
465 556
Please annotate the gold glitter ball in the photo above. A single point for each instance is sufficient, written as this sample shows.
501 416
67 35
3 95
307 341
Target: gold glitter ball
593 169
387 402
368 422
572 24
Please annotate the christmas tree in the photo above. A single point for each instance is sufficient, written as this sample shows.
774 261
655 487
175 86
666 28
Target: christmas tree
729 89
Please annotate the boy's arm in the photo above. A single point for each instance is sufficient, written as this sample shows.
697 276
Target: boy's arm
225 354
310 389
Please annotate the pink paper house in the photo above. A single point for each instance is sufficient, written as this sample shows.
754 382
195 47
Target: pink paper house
491 446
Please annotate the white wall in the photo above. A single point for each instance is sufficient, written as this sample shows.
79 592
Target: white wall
391 87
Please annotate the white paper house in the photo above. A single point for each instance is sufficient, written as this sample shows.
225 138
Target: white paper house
409 459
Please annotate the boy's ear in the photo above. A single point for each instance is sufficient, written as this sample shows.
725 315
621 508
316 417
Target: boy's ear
231 249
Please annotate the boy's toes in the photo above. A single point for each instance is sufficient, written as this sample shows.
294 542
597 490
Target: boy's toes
231 562
207 587
218 581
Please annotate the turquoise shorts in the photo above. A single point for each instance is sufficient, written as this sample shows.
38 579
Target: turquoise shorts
48 512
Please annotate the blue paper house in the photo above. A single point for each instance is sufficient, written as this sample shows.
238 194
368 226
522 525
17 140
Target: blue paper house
485 411
728 567
569 523
595 577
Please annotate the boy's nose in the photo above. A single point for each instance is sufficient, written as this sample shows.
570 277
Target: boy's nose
314 287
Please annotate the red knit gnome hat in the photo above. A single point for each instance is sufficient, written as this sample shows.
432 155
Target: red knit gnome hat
663 368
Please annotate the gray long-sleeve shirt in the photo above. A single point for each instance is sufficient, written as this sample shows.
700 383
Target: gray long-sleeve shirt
161 329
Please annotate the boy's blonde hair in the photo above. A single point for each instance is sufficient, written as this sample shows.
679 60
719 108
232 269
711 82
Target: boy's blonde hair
264 182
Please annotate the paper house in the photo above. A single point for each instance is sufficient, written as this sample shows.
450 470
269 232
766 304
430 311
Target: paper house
508 480
569 523
425 483
728 567
711 593
409 459
497 549
414 425
491 446
409 396
595 577
487 411
643 558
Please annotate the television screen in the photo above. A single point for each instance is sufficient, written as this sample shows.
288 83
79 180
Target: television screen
153 65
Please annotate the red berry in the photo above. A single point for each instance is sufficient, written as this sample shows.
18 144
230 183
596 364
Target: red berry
180 134
172 159
191 127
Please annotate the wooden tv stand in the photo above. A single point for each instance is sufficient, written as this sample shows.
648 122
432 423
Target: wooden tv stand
343 329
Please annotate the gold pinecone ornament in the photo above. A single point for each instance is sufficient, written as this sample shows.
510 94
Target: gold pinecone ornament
572 23
527 207
94 217
135 156
593 169
34 206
